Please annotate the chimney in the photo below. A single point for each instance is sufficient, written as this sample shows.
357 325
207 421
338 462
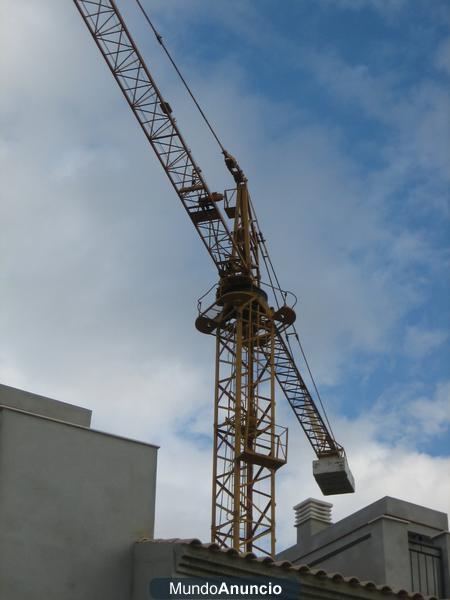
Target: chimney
311 516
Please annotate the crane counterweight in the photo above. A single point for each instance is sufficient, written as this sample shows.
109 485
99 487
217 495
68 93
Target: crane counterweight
333 475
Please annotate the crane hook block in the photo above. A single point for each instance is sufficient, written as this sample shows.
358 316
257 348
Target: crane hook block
333 475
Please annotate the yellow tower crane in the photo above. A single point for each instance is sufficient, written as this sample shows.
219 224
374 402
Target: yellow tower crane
253 347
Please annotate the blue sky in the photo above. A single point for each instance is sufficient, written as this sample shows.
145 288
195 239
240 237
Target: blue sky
385 57
338 112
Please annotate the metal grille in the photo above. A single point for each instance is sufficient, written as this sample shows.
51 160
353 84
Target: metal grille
426 565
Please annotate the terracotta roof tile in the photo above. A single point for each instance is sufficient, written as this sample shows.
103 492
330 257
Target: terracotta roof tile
283 564
369 585
336 577
264 559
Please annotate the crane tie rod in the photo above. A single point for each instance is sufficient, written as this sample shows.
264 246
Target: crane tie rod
161 41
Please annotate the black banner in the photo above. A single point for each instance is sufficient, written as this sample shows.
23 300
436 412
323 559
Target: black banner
227 588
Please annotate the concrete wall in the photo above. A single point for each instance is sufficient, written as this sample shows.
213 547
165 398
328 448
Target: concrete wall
72 502
348 554
397 564
46 407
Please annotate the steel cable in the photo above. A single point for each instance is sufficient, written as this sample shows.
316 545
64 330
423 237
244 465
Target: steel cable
265 254
161 41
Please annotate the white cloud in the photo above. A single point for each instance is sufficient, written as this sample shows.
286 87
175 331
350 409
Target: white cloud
381 468
385 7
100 268
420 342
417 117
411 415
442 58
432 417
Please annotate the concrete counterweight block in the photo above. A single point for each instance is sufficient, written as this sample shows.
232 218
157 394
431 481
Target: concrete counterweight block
333 475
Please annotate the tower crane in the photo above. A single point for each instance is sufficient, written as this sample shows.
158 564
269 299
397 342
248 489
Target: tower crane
253 338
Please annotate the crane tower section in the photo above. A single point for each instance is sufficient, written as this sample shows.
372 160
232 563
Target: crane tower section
248 445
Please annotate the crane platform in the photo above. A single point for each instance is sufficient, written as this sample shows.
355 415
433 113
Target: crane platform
263 460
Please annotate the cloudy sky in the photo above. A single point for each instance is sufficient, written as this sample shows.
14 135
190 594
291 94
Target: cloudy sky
338 112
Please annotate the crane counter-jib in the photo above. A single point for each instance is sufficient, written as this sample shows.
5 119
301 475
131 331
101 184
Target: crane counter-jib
252 353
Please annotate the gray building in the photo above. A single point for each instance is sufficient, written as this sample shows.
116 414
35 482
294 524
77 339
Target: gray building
72 502
77 523
391 542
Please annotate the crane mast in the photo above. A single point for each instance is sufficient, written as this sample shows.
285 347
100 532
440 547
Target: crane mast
252 338
248 446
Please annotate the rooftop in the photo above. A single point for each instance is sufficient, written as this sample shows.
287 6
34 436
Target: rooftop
285 568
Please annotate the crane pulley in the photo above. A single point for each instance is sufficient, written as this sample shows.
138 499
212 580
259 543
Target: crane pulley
253 352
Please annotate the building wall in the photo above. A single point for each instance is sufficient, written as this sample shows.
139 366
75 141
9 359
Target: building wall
47 407
346 553
72 503
396 553
374 544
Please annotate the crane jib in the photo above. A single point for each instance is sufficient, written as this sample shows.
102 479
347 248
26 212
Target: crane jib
302 403
154 115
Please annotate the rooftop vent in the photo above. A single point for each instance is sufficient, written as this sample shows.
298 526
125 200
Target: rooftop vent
311 517
312 509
